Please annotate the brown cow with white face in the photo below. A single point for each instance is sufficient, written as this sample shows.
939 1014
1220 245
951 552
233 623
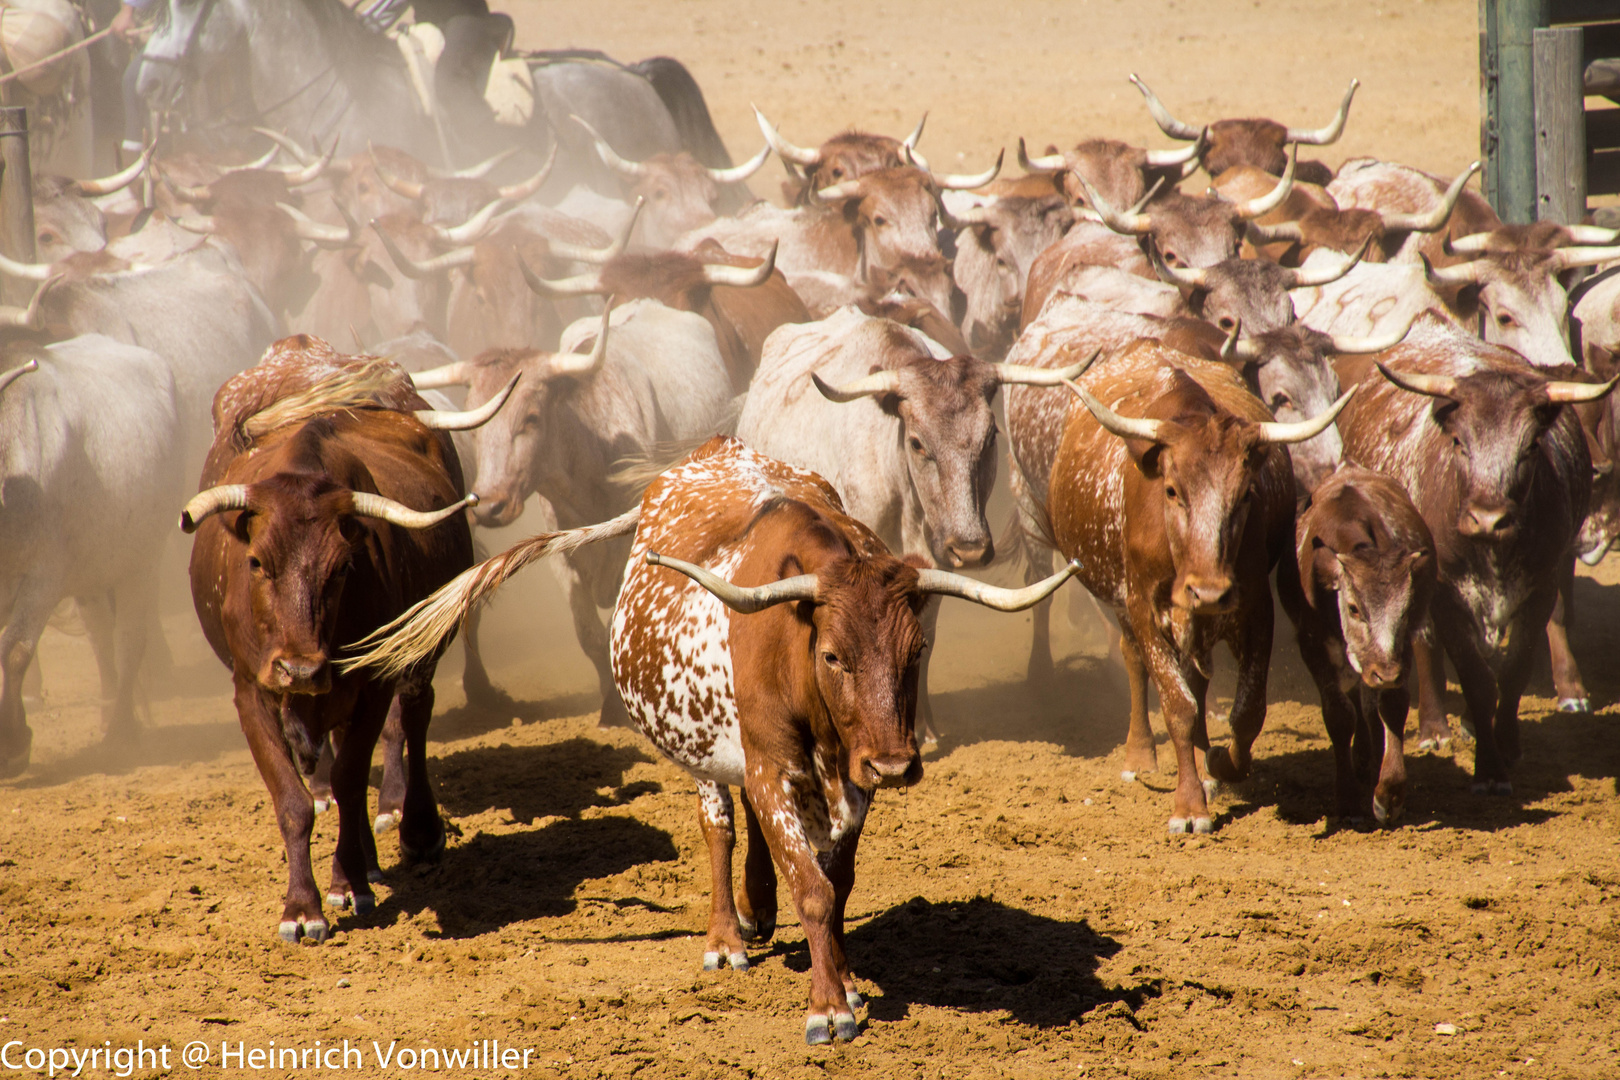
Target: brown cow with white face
331 502
1119 172
1173 492
846 156
802 694
1367 571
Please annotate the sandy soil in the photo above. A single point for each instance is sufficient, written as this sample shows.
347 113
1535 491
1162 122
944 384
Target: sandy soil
1020 913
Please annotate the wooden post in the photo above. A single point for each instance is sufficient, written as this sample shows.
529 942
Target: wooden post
16 200
1560 126
1515 195
1487 100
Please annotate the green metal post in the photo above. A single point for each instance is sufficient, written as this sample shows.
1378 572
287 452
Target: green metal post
1514 196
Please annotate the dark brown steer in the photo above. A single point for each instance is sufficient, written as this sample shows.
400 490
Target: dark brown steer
328 508
807 706
1367 570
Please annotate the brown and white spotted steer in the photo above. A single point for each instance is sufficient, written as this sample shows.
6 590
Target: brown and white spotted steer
803 694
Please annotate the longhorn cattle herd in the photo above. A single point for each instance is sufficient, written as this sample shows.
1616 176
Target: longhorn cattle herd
763 438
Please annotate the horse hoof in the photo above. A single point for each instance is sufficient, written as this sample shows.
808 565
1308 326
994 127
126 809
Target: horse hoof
817 1031
384 823
1575 705
845 1027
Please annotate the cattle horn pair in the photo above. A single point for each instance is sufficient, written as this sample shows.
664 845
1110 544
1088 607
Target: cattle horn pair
591 284
1177 129
943 181
1271 432
18 372
1445 386
882 383
1198 277
1056 163
798 155
118 181
228 497
1342 343
636 170
747 600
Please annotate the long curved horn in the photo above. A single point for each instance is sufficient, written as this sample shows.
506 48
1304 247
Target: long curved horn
1126 427
738 597
1194 277
635 170
1345 343
408 189
318 231
578 285
474 228
184 192
368 505
1436 219
874 385
849 189
910 141
1026 375
798 155
599 256
1452 276
1472 244
118 181
458 373
1283 231
970 217
1127 223
1249 209
468 419
462 256
216 500
29 271
1273 432
1162 158
288 143
311 172
1323 135
1046 163
577 366
17 372
1161 116
742 277
1567 257
260 162
27 318
1574 393
945 583
474 172
1429 385
738 173
1229 347
1306 279
520 191
1592 234
202 224
958 181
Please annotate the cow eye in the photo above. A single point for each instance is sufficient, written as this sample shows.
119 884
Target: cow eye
1279 401
255 565
916 445
880 221
1355 612
1170 492
47 238
1226 323
1504 320
831 660
1172 259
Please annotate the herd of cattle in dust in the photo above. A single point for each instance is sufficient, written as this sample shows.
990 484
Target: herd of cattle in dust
763 437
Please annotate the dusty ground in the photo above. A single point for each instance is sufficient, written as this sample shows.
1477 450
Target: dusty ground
1021 912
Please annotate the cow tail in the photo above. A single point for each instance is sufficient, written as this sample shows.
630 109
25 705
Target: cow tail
396 647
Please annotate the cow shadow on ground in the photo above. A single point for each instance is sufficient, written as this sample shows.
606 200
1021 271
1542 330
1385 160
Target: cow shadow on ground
468 720
1082 706
534 782
979 955
491 881
172 744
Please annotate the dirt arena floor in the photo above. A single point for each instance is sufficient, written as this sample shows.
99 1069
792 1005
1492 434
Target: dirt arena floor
1021 912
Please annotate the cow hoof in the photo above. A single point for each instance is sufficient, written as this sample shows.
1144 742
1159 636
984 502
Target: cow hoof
1128 776
817 1031
1203 825
854 1000
364 903
384 823
1385 814
738 961
427 854
1212 788
337 901
323 805
1575 705
375 875
1492 787
1434 745
756 931
312 931
1178 826
289 931
845 1027
711 961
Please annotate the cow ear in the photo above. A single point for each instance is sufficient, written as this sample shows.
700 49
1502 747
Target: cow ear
242 526
1325 570
1146 455
1601 362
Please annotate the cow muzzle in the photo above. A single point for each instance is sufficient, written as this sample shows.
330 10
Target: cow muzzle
1488 522
1206 595
497 511
889 770
965 554
1383 675
299 674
